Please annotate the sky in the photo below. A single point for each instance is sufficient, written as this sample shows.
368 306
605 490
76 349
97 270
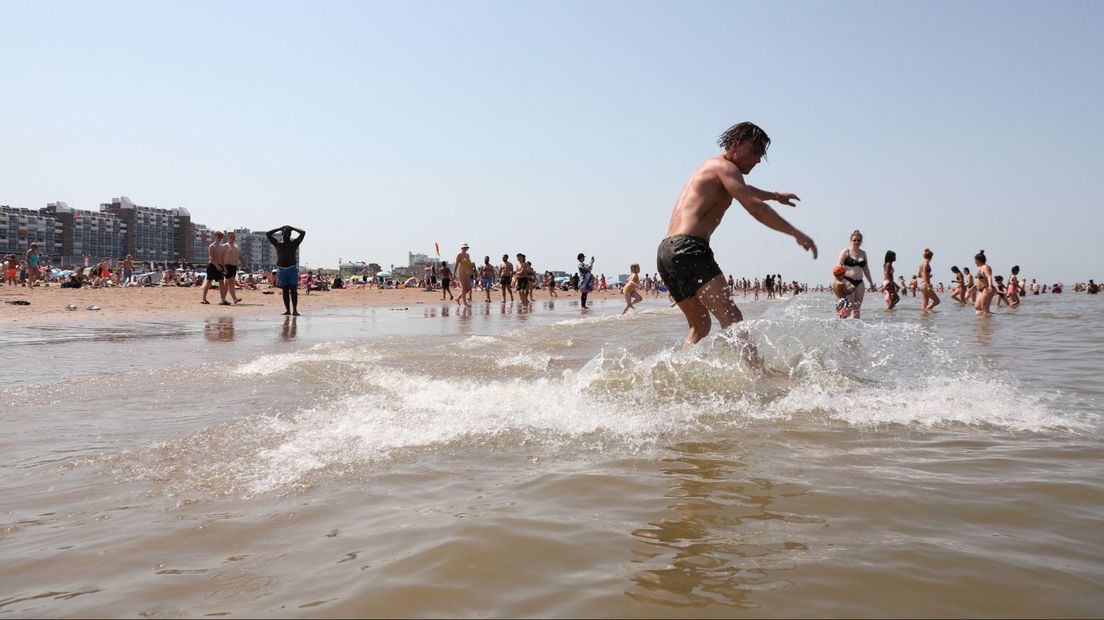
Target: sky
553 128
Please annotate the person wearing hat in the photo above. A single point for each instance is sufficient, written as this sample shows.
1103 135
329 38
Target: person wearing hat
465 271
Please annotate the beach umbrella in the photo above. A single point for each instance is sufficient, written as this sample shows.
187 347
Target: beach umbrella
386 274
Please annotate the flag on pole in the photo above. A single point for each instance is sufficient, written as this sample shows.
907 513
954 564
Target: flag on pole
438 248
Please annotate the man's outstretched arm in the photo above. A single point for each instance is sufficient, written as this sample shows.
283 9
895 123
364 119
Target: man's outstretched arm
753 201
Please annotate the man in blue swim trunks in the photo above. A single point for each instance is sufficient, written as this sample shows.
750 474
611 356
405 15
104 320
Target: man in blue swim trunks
685 259
287 265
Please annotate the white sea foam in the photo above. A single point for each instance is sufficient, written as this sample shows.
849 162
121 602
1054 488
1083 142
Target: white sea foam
327 353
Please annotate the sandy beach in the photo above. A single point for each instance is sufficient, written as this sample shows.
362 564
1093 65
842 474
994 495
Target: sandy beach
50 304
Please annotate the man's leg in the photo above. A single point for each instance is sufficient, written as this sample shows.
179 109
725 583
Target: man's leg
712 296
287 299
294 301
698 317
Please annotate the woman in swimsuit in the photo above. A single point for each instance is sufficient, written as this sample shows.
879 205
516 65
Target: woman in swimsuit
891 296
632 288
930 299
853 261
1013 291
959 293
985 289
971 290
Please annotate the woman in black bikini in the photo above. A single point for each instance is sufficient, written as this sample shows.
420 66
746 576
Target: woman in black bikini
853 261
891 296
959 293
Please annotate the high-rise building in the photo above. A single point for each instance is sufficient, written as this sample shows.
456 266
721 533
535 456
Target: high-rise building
92 234
152 233
258 254
19 228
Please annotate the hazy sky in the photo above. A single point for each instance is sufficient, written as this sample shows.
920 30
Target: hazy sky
553 128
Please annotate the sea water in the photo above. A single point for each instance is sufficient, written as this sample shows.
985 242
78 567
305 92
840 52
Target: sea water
429 461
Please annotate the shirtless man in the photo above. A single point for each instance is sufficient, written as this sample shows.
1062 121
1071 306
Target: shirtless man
486 277
287 265
464 269
215 271
128 269
684 258
231 259
505 275
522 271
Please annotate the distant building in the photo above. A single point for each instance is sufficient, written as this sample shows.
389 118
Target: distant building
19 228
88 236
152 233
258 253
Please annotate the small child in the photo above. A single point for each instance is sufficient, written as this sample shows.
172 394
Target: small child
632 294
842 289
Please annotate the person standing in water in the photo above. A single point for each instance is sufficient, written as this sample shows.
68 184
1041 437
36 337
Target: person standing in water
984 284
586 277
632 288
287 265
853 261
971 290
891 296
929 299
1013 291
684 258
959 292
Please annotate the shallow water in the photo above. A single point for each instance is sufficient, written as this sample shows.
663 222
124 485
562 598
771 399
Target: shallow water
428 462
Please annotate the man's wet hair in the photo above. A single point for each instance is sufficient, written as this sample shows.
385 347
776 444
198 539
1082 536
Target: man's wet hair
745 132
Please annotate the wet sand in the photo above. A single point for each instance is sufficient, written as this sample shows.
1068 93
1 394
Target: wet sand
49 304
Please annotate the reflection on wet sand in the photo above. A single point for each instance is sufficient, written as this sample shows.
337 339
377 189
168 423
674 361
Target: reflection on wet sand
721 541
219 329
289 328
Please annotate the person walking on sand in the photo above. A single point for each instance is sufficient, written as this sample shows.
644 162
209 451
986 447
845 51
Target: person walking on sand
287 265
215 270
632 288
31 259
550 283
465 271
231 259
684 258
446 281
505 276
854 263
586 278
929 300
487 277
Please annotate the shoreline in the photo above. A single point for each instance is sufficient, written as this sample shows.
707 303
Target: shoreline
49 303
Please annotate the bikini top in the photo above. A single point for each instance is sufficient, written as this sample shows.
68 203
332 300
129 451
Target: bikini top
851 262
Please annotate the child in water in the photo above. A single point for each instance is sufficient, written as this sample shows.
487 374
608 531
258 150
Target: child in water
842 289
632 286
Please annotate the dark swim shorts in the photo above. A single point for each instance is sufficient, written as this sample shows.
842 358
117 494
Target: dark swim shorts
213 273
685 263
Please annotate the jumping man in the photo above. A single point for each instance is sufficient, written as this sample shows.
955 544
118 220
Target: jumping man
684 258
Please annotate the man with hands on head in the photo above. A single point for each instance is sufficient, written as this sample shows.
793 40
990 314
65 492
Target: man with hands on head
287 265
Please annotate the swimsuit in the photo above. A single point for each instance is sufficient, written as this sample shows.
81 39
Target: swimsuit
287 277
685 263
213 273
